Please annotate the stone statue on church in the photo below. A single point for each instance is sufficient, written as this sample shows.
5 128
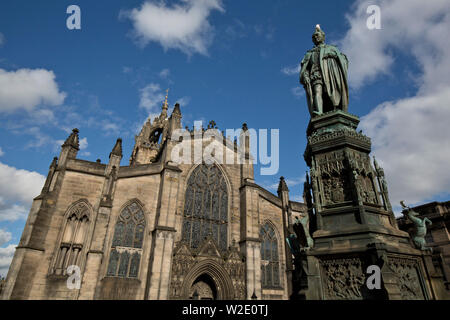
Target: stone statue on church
323 74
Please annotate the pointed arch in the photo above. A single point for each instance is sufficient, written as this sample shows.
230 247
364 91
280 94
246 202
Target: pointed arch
206 206
127 243
222 281
74 233
270 256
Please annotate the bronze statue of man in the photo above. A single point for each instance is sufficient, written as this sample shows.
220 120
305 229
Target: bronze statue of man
324 76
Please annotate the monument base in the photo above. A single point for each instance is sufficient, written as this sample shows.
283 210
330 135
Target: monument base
356 234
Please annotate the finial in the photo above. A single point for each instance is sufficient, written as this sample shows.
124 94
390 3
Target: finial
54 162
318 27
72 140
166 105
176 109
117 150
212 124
282 185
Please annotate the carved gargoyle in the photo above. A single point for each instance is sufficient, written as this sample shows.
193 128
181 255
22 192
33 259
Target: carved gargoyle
420 227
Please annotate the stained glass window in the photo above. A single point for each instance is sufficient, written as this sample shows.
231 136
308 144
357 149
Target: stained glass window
134 265
270 265
113 261
127 243
206 207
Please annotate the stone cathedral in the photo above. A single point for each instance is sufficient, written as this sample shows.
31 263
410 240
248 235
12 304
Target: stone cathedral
153 229
160 229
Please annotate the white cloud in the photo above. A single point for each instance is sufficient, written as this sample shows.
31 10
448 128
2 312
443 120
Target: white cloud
291 70
17 190
42 116
410 135
1 152
236 30
151 97
6 256
184 101
182 26
371 53
164 73
127 69
12 212
5 236
109 126
83 143
27 88
411 138
39 138
292 182
298 92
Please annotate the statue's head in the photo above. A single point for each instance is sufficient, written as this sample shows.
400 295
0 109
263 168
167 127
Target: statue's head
318 36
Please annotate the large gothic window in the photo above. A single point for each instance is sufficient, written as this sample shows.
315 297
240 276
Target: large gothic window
73 237
126 248
270 265
206 207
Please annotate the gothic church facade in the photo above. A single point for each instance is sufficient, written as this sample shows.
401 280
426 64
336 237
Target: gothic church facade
155 229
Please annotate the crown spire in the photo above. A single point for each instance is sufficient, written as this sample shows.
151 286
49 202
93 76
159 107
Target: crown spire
166 105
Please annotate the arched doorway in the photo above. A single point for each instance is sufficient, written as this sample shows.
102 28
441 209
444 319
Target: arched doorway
203 288
210 280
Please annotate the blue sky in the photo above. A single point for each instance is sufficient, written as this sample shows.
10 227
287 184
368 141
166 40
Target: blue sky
228 61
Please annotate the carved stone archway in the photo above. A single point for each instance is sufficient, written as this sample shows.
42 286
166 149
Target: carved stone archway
203 288
213 270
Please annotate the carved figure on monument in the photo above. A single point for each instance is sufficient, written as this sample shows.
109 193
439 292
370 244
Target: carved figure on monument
344 278
383 184
420 227
408 278
307 189
323 74
299 241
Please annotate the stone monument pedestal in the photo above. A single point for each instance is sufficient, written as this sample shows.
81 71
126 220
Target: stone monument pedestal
353 225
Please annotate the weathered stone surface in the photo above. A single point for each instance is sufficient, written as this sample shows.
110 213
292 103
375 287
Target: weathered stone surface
167 269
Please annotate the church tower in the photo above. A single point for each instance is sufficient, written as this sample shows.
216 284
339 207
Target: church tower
152 139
